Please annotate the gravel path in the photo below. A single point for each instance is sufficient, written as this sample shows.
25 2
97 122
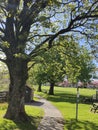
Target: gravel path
52 119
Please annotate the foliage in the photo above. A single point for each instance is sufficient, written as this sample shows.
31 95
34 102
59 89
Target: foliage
54 65
78 60
87 66
66 58
43 17
37 75
86 71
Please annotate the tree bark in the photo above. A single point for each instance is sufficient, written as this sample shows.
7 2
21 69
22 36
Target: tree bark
51 90
39 88
18 76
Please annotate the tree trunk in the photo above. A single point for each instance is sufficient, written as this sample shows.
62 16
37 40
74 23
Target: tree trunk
18 76
39 88
51 90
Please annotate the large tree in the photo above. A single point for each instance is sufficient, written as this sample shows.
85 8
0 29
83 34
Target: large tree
51 68
25 25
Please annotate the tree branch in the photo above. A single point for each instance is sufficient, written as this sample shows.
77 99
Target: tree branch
31 66
38 35
69 28
38 46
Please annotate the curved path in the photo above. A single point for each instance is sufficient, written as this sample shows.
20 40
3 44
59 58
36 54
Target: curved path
52 119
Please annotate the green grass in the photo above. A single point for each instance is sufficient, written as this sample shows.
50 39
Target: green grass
65 100
35 114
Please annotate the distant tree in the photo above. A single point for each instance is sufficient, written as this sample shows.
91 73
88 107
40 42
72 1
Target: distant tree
66 58
71 52
87 68
80 67
37 76
50 69
54 67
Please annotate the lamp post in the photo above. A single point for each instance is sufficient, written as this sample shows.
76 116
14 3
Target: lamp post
77 100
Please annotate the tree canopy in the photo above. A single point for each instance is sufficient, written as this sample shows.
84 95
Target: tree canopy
25 22
67 58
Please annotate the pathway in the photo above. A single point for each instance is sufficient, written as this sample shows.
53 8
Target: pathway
52 119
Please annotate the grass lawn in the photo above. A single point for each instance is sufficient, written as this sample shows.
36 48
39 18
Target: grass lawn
35 114
65 100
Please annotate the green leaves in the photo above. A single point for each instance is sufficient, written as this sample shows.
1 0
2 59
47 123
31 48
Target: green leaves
5 44
21 55
43 18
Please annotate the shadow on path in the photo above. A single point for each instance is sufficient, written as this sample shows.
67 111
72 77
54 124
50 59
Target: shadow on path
52 119
35 103
51 123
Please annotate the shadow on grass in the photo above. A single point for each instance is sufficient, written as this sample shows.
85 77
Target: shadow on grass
32 124
80 125
60 97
